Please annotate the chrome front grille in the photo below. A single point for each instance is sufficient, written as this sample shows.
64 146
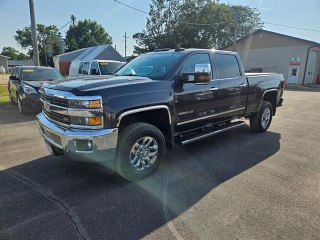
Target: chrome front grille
56 108
54 100
58 117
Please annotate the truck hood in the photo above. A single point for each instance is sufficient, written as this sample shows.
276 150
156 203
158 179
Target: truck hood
82 86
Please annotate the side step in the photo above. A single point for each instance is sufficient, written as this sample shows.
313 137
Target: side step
216 131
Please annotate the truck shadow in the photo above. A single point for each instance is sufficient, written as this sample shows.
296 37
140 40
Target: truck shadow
111 207
9 114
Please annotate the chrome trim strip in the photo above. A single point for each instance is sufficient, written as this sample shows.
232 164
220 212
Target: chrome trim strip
143 110
210 116
212 133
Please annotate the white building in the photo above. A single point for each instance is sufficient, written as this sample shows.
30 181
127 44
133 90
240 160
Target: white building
264 51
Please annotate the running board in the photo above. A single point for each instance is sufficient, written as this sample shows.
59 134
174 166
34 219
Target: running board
217 131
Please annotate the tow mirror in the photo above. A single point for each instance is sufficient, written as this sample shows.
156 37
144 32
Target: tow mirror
201 74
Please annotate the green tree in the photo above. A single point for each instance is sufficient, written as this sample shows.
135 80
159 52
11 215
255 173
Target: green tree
86 33
14 53
47 38
194 23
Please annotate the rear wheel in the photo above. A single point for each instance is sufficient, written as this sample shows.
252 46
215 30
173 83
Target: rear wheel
260 122
141 149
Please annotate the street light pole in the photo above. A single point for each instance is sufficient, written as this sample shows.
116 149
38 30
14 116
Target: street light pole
34 34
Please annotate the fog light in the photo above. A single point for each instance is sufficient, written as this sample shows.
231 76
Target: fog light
83 145
93 121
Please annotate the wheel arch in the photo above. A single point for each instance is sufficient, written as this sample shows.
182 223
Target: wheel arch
271 96
158 116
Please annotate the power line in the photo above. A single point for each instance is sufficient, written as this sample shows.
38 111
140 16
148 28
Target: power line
305 29
131 7
210 24
64 25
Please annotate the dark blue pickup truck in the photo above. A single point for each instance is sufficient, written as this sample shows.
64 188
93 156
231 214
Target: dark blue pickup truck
162 98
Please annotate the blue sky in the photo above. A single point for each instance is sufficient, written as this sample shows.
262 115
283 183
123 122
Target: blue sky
117 19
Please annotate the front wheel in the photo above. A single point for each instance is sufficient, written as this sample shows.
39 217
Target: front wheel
260 122
141 149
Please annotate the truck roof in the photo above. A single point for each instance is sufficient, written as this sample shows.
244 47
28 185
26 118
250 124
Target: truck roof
188 50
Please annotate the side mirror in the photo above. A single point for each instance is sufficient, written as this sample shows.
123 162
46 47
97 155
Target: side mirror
195 77
13 78
201 74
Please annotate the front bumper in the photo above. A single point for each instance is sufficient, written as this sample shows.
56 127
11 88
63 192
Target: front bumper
103 142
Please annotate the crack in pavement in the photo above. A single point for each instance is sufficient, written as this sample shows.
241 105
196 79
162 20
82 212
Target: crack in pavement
63 206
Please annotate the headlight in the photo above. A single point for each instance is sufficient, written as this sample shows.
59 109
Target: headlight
85 104
28 89
87 121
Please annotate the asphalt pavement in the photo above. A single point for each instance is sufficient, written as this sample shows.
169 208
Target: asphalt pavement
236 185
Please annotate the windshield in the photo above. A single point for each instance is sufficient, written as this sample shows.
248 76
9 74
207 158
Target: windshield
108 68
154 65
40 74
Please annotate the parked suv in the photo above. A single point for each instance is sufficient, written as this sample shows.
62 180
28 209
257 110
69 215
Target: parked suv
24 84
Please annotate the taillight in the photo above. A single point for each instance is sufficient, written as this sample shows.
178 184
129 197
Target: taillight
282 84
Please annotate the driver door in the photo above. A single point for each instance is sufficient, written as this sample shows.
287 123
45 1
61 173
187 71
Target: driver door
194 102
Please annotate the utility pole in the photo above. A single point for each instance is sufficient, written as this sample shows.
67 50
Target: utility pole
125 44
34 34
73 19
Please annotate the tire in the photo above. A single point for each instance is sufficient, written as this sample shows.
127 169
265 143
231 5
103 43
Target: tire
260 122
21 108
141 150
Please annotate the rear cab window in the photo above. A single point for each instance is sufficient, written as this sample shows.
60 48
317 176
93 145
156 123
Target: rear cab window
227 66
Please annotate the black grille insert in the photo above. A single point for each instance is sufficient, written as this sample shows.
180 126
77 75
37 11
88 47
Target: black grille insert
58 117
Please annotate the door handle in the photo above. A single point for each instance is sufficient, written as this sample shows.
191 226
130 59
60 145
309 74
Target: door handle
213 89
243 85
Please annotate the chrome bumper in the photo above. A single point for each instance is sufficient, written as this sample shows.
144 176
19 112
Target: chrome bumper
104 142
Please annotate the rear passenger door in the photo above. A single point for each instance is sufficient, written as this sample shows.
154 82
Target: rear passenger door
232 85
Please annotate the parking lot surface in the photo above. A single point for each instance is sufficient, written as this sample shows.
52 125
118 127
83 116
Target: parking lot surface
237 185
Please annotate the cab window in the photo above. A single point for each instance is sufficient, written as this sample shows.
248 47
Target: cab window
85 69
80 68
227 66
94 69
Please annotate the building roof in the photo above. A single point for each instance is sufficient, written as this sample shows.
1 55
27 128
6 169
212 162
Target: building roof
101 52
278 34
5 56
